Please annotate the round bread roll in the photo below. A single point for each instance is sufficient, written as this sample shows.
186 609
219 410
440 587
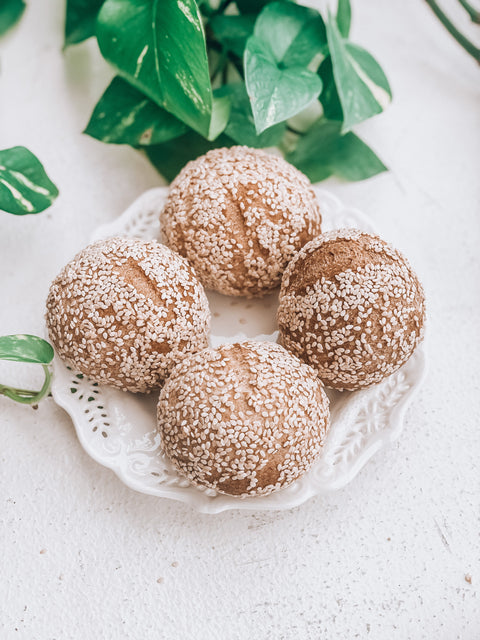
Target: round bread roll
239 215
351 307
125 311
243 419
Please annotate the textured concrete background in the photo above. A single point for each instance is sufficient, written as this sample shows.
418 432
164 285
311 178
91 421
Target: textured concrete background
394 555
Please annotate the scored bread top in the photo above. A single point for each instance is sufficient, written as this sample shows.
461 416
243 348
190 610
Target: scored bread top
124 311
352 307
239 215
243 419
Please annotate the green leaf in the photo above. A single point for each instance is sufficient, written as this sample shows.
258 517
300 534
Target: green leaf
241 126
296 34
25 348
324 151
220 114
124 115
251 6
276 94
80 20
24 185
287 38
362 87
10 12
205 7
332 107
169 158
370 67
233 31
344 17
30 349
255 6
159 46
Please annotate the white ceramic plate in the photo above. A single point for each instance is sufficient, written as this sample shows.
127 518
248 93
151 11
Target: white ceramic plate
117 429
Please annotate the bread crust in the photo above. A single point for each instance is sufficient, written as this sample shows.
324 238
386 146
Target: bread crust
352 307
243 419
125 311
239 215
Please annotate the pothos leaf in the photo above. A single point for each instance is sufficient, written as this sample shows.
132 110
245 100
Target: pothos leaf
251 6
344 17
286 40
332 107
276 94
254 7
363 89
296 34
233 31
324 151
30 349
24 185
170 157
25 348
80 20
124 115
222 106
10 12
241 126
159 46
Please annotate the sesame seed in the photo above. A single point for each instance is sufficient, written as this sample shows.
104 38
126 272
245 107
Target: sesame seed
239 215
125 311
251 453
352 307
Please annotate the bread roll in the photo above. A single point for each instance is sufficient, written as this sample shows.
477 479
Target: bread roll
243 419
239 215
125 311
351 307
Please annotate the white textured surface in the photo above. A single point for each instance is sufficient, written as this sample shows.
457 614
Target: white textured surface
83 556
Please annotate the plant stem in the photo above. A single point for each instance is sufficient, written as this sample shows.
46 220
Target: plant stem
452 29
295 131
472 12
25 396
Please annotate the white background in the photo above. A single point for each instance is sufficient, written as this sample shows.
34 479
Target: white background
82 556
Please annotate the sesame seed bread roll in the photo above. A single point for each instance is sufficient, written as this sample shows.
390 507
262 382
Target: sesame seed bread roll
244 419
351 307
125 311
239 215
